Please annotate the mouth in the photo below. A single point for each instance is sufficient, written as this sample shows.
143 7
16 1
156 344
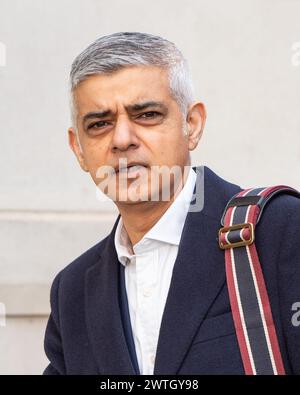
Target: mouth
130 167
132 170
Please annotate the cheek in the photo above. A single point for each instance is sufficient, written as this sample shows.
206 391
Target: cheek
172 149
94 154
94 160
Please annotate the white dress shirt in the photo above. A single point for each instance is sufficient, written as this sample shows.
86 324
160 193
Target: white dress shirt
148 272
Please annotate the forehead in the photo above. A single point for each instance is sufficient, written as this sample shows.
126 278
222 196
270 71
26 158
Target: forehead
124 87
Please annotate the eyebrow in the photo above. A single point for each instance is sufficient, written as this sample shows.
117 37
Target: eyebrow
131 108
144 105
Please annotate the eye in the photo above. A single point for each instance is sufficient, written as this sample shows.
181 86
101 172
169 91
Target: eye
97 125
149 114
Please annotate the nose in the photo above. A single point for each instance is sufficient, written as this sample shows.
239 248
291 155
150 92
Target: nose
124 136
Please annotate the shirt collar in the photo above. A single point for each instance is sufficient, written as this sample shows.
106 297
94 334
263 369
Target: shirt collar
168 228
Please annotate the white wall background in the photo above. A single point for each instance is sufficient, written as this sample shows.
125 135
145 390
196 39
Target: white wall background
245 61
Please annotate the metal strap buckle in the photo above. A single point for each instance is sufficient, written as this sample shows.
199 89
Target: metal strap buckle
246 225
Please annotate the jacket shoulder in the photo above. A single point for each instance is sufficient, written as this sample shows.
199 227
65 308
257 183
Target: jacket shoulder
281 209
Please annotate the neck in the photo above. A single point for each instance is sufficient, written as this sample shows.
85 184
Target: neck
149 211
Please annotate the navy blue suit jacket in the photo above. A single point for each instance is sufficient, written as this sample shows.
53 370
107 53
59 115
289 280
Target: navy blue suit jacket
88 331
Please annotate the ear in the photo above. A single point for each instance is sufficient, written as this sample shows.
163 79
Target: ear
195 119
75 147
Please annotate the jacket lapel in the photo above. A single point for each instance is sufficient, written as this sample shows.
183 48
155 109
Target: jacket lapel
104 321
198 275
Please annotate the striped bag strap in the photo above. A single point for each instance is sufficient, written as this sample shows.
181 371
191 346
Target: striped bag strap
249 300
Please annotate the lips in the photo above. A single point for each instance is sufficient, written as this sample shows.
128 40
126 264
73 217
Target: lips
130 168
131 171
134 166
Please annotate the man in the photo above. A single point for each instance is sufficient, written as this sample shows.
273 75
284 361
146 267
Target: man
152 297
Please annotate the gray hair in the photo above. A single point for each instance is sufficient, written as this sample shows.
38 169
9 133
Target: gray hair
111 53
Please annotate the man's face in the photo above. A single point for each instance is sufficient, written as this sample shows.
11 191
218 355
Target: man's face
129 114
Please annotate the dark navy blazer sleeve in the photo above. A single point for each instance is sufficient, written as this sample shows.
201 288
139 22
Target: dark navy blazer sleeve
53 343
288 278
